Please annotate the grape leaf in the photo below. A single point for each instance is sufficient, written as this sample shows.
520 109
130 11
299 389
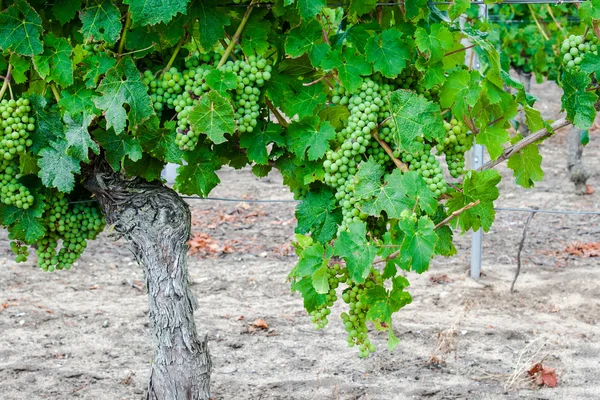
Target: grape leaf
312 299
118 147
26 225
256 142
57 169
48 124
310 8
77 99
493 137
589 11
198 176
310 136
213 116
221 81
318 213
151 12
480 186
415 117
320 280
533 118
434 42
416 8
211 21
147 167
311 258
77 136
350 65
353 246
419 243
65 10
462 89
336 115
527 166
123 85
361 7
578 102
101 22
255 37
55 62
304 103
97 65
20 29
388 52
160 141
20 67
28 164
304 38
458 7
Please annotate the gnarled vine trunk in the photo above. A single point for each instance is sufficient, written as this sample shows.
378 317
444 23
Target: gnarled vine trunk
577 172
156 222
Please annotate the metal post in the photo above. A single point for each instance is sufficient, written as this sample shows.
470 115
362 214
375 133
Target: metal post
476 162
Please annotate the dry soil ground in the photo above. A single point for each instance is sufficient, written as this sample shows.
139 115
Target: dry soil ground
84 333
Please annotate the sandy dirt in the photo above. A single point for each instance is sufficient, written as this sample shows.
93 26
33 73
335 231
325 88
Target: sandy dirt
84 333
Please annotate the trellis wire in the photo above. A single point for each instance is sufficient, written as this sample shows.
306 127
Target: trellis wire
398 3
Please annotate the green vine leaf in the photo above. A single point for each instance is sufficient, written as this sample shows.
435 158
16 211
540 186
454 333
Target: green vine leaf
151 12
101 22
256 142
354 247
419 243
577 101
434 42
388 52
77 136
55 64
493 138
123 86
318 214
118 147
310 136
26 225
57 169
20 29
527 166
160 141
213 116
197 176
65 10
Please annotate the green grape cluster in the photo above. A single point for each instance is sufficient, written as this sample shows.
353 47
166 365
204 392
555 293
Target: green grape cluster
575 48
410 79
15 126
164 89
427 166
300 193
454 145
19 248
68 227
195 86
336 275
91 49
251 76
340 165
355 320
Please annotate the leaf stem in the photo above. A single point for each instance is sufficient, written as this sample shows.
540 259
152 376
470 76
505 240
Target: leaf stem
6 81
236 36
174 55
124 35
555 20
459 50
55 91
403 167
456 214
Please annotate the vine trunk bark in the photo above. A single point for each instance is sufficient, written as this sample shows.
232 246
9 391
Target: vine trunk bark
156 223
577 171
525 78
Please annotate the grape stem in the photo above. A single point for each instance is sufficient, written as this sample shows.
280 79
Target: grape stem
174 55
224 44
555 20
403 167
124 35
236 37
6 81
315 81
280 118
55 91
456 214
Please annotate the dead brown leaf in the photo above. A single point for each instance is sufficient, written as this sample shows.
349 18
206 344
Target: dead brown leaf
260 324
581 249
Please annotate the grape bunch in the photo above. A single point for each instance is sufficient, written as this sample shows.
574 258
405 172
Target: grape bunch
68 227
340 165
454 145
15 126
336 275
251 75
355 320
165 89
19 249
195 79
426 165
575 47
410 79
91 49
